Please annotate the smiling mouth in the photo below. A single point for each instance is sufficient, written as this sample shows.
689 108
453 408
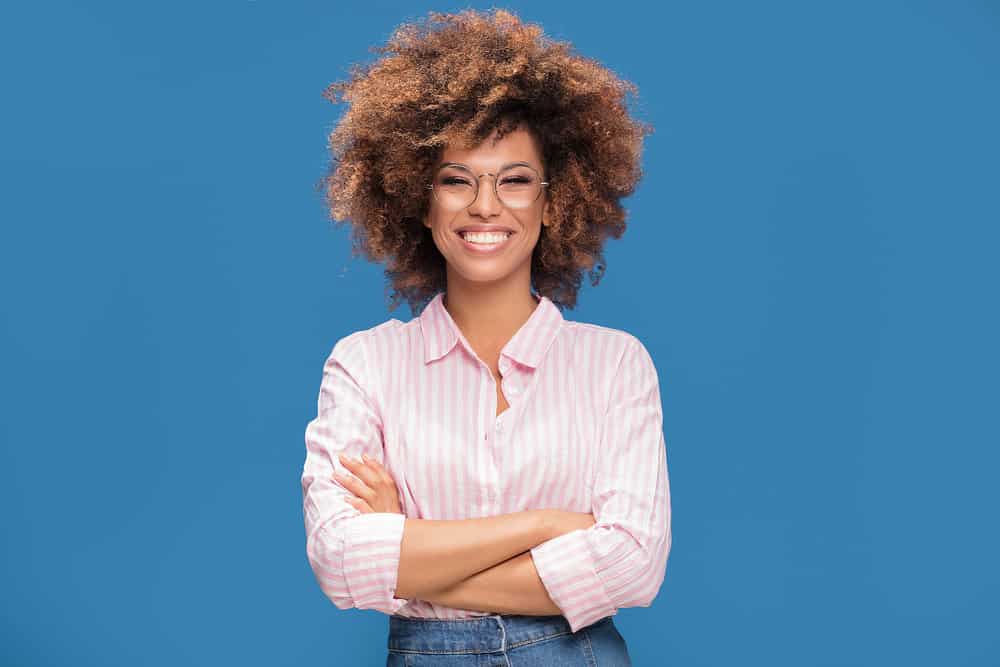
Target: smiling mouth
484 242
485 238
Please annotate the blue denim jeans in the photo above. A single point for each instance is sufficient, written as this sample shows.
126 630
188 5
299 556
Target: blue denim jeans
503 640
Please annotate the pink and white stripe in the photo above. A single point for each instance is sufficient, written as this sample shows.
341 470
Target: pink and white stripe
584 433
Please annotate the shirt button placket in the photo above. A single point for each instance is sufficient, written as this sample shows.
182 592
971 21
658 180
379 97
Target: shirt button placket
491 492
490 498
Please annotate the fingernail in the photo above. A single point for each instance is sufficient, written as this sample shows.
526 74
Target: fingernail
364 458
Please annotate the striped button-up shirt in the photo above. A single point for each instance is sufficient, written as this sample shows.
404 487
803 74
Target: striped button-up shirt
583 432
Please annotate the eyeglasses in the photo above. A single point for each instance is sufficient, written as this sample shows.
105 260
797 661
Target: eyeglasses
517 186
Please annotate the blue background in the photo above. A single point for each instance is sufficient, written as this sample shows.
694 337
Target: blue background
811 260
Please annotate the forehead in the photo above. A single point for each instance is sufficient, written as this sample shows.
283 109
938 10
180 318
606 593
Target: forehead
516 146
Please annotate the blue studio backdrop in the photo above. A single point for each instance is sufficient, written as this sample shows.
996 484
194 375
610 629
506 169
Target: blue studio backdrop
810 260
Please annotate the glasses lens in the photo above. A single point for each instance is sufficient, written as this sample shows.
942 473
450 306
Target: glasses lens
518 186
455 187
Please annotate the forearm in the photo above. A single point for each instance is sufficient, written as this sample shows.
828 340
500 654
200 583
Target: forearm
510 587
436 554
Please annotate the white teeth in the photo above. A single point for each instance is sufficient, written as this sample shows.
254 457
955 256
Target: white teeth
485 237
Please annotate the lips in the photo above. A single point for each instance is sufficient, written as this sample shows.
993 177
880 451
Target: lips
465 230
483 228
481 248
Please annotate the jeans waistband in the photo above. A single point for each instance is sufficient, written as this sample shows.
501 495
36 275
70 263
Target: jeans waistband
480 634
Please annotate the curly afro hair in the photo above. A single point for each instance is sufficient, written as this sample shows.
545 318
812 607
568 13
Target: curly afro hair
455 79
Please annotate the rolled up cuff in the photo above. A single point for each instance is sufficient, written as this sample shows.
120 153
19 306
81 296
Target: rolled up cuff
371 560
566 567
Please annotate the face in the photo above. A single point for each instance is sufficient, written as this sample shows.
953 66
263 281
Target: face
508 259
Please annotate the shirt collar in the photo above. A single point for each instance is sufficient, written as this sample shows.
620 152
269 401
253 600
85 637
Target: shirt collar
527 346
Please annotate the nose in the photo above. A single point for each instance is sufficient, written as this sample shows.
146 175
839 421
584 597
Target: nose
486 202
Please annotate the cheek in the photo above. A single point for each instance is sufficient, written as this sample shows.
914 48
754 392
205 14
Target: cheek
533 226
438 228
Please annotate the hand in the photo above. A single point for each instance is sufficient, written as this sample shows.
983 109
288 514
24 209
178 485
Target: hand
373 487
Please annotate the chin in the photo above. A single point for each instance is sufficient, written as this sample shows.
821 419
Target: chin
482 276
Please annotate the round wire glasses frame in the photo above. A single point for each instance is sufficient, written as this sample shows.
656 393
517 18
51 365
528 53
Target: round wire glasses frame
517 185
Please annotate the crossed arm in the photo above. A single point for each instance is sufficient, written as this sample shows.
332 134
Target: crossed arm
510 587
479 564
482 564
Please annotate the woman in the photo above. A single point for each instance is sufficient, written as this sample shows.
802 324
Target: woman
489 474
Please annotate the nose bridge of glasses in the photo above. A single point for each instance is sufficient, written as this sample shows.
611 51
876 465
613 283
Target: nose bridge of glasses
496 194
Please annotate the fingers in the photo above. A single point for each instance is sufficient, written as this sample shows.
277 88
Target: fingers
376 467
370 483
377 470
382 473
362 469
370 471
360 505
370 478
355 486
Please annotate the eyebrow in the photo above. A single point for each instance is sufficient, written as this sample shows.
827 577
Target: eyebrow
502 167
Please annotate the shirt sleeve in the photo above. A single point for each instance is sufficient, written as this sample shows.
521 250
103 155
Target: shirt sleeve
354 555
621 560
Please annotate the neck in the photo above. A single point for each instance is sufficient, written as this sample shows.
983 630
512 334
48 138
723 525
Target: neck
489 313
